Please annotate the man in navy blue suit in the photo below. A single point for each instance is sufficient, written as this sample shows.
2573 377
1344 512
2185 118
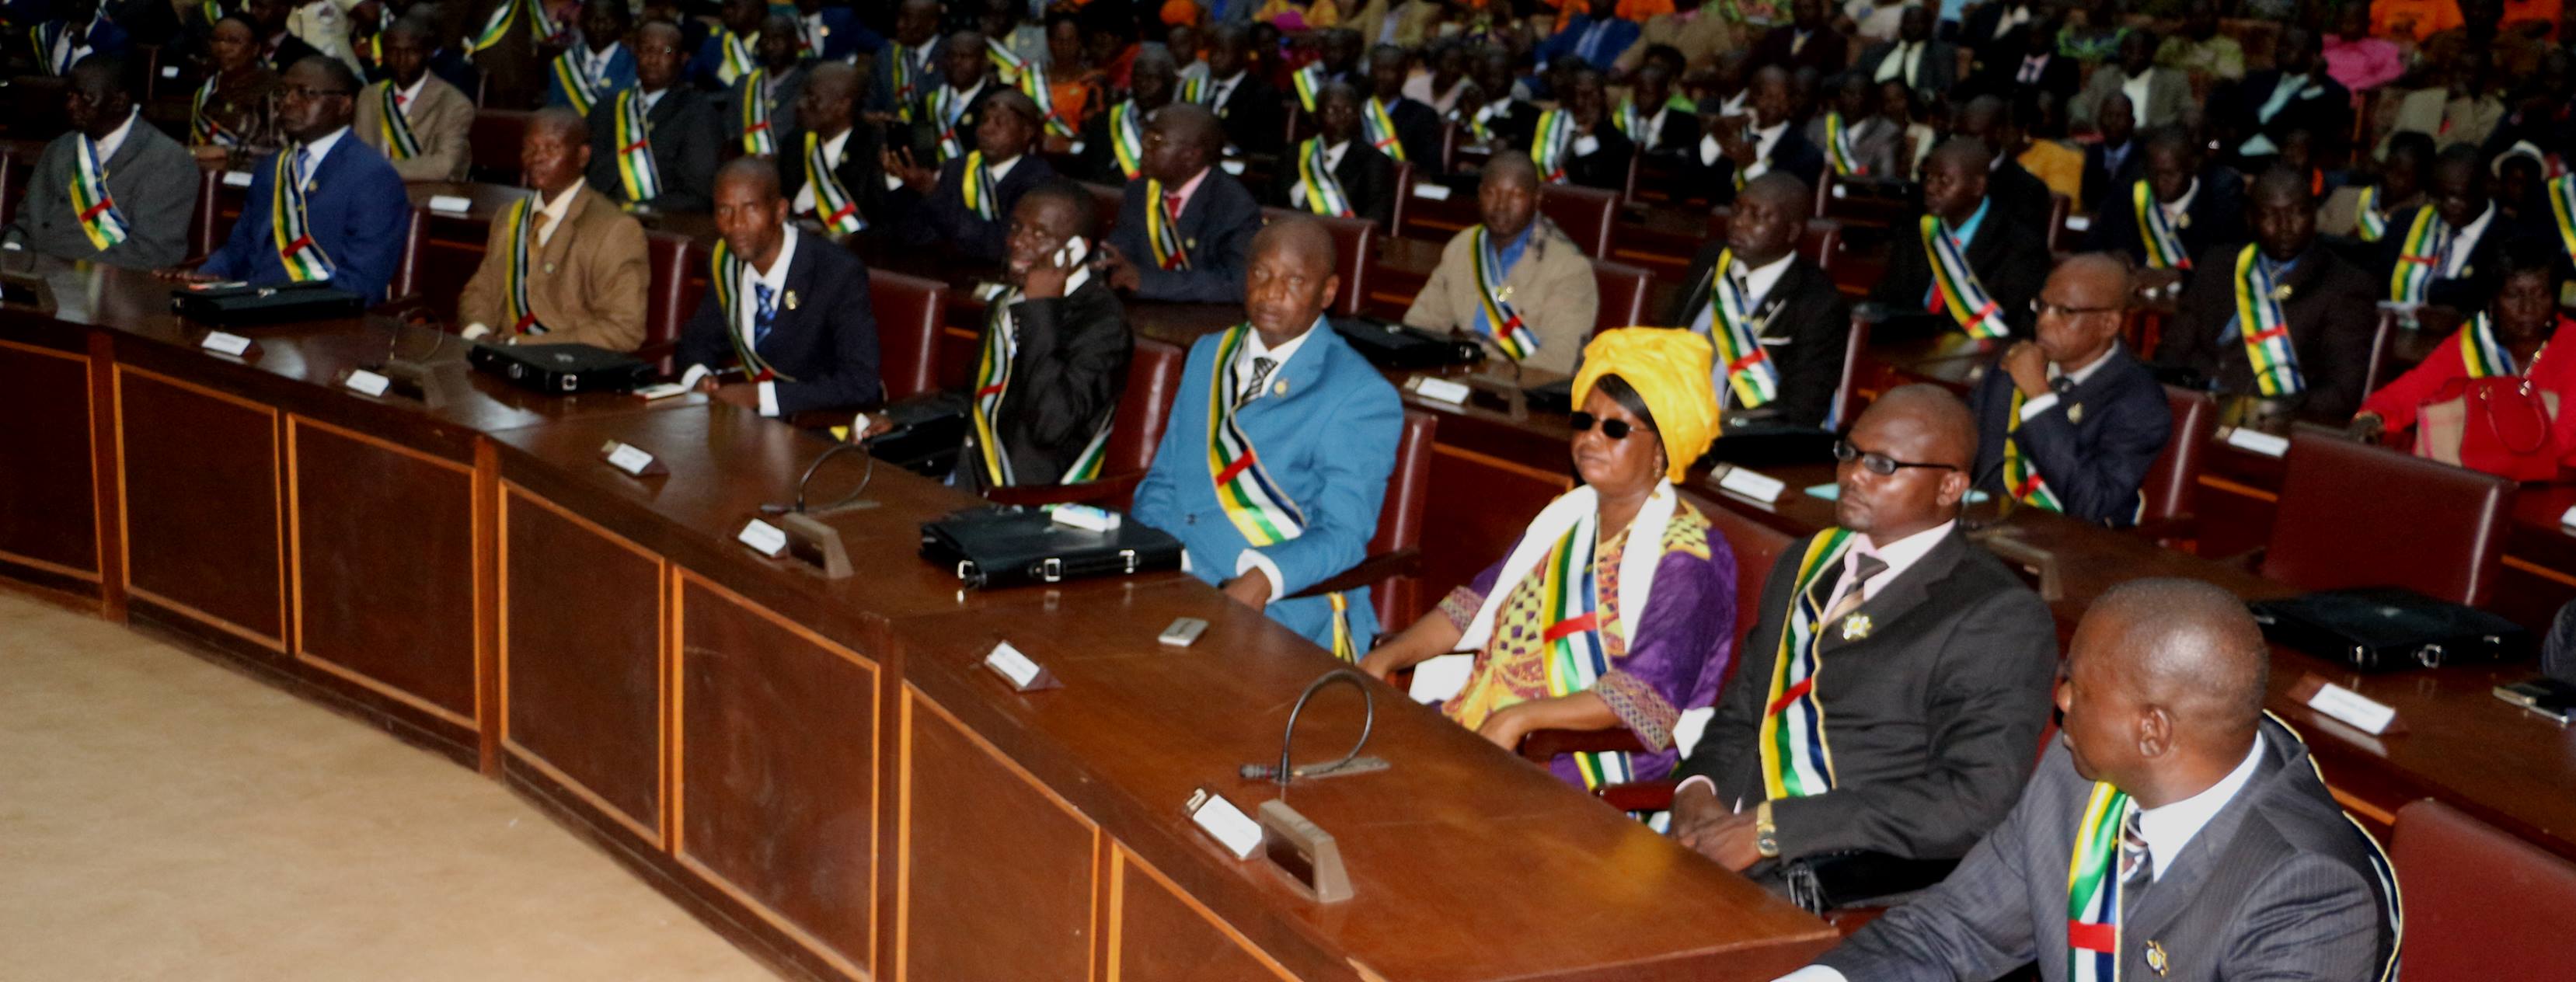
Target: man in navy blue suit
785 325
341 194
2072 421
1595 37
832 33
1207 219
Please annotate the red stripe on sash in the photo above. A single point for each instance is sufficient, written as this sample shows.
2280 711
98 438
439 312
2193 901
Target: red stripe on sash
1984 312
102 205
1793 694
2418 260
1239 466
1940 302
635 146
835 217
525 320
1571 625
989 390
2273 333
2093 937
294 247
2028 484
1748 361
755 128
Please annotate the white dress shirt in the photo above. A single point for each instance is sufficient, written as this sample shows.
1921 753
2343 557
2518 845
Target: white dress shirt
2136 89
832 147
107 145
2042 403
595 62
1221 90
553 209
1240 374
321 148
2465 241
1758 280
1901 62
745 320
1763 141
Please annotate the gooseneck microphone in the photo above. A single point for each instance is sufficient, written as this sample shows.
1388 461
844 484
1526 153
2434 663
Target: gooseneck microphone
798 506
1285 772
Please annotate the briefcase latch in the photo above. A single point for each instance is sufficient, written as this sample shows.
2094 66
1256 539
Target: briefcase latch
1051 569
2429 656
1130 556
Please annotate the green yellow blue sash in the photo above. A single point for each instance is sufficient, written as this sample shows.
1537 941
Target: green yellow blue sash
1838 147
1008 66
833 207
1324 195
2163 241
2562 211
2373 225
739 59
992 385
2021 478
1548 147
2419 263
1480 125
43 36
1577 656
203 131
947 109
636 172
725 276
1195 88
497 26
753 114
899 71
2484 354
1257 506
1796 760
99 219
1127 138
2264 328
303 258
1955 290
1728 321
400 142
579 88
521 241
1309 82
2093 888
1380 127
976 185
1162 231
1494 314
1630 121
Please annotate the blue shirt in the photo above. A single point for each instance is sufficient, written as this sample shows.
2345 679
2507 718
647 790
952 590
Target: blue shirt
1965 233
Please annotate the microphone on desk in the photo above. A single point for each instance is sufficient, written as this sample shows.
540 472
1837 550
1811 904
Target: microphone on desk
1350 762
2005 501
797 507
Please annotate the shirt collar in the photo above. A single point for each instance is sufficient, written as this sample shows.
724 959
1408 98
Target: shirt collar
602 55
1190 187
2170 827
1002 169
1902 554
832 144
411 94
1253 348
115 138
967 96
321 148
2183 204
2090 369
560 204
775 277
1967 230
2472 230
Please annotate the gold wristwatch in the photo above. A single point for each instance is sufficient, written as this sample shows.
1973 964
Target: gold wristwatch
1766 836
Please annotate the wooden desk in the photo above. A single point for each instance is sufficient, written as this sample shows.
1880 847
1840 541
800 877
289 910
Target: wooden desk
818 768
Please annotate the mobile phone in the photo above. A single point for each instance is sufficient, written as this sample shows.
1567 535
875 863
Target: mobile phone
1183 632
1071 254
2546 696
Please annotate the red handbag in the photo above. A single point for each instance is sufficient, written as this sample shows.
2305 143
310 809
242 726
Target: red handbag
2502 425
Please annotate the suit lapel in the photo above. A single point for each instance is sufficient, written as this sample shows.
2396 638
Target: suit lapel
1289 382
799 285
2171 894
1900 595
551 257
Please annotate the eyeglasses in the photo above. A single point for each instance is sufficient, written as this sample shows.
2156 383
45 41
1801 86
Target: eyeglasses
1616 429
1878 463
2044 308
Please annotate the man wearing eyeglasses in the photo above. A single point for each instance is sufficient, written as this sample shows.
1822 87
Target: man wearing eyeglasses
1942 664
2071 422
344 215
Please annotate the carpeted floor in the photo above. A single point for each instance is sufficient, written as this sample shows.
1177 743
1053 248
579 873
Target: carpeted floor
165 818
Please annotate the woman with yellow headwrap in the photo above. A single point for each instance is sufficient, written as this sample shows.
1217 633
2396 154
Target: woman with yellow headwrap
1616 607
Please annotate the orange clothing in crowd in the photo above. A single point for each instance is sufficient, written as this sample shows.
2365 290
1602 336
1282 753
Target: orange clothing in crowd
1636 10
2418 19
2528 11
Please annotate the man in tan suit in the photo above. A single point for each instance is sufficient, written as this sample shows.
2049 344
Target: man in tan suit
585 270
1546 287
432 138
1700 34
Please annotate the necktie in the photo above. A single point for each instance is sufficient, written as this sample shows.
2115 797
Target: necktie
303 167
766 316
545 227
1172 206
2030 69
1252 388
1850 593
2137 866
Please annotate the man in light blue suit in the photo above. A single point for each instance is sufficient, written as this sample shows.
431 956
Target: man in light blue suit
354 212
1303 431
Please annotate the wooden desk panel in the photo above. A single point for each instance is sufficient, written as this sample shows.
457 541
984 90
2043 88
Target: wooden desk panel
201 508
995 872
1158 934
49 509
583 623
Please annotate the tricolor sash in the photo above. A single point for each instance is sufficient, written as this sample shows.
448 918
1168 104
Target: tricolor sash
303 258
738 52
400 142
521 241
1309 82
1796 761
636 172
2163 241
2265 329
99 219
2021 478
1127 138
1195 88
1480 123
1256 504
725 277
1955 290
1380 127
2484 354
1838 147
992 385
1324 195
1033 83
833 207
1728 321
1577 658
581 90
976 185
1630 121
2373 225
1494 314
947 109
2562 210
1162 230
1008 66
2420 262
2093 888
899 71
44 36
496 27
203 131
752 117
1548 148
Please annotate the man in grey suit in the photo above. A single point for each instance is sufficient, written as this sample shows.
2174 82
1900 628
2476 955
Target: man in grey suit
1940 665
150 182
2209 847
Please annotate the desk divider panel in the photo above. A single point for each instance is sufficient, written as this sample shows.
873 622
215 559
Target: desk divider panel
1159 934
49 508
995 873
201 506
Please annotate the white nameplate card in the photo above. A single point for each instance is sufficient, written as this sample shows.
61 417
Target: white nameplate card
169 71
763 538
1439 677
1431 192
364 381
2567 520
1439 389
663 391
226 344
1752 484
2257 441
2079 223
1023 674
2345 706
1222 821
1075 149
450 204
236 178
634 460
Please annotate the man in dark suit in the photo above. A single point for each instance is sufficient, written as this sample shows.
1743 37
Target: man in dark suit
849 156
908 67
1807 41
1416 135
1596 154
1992 33
1799 323
761 104
832 33
1351 172
2200 206
1932 722
1659 124
2070 422
945 118
1058 343
1000 169
2014 188
2326 306
2112 162
145 181
2298 95
1497 119
787 312
1255 120
734 48
1113 140
2211 836
2031 67
2465 271
347 197
1770 141
79 30
2008 259
278 45
1923 63
1595 37
679 138
1210 219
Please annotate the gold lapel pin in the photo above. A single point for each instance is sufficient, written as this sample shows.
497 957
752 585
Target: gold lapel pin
1856 627
2156 961
2281 293
2184 221
1279 388
791 299
2075 413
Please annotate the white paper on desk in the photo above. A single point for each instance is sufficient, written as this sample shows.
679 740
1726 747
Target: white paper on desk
1752 484
1440 677
1440 389
1012 664
236 178
226 344
1228 825
1431 192
169 71
450 204
629 458
362 380
662 391
2353 708
763 538
2257 441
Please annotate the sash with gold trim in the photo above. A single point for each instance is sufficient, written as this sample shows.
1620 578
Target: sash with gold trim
1494 314
1955 290
2162 240
2372 225
1380 127
1577 655
496 27
44 36
1838 147
99 219
1256 504
976 186
203 130
2420 261
1728 321
1796 760
2264 328
400 142
1127 138
1630 121
992 385
740 55
725 277
1548 147
1324 194
1162 229
636 172
581 90
1008 66
2021 478
752 115
521 241
833 207
899 71
2093 888
1309 82
296 250
2562 211
947 109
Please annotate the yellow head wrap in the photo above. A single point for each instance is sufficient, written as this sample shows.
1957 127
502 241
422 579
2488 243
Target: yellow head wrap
1670 371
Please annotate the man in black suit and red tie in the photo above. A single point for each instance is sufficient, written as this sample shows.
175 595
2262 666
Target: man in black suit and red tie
785 324
1184 232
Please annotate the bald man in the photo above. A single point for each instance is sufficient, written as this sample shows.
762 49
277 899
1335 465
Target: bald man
2242 864
1206 219
830 167
2070 422
1780 326
786 326
418 121
1320 425
1112 148
2292 283
1995 252
580 258
672 168
966 204
1547 298
1933 716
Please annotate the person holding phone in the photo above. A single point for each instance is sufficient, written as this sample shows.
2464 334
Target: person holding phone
1054 354
967 202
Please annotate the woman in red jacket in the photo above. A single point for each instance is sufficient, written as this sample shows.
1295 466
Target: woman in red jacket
2510 338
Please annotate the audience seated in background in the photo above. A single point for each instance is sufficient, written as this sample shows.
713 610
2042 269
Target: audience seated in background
2506 339
2238 845
2313 313
562 267
1807 41
421 124
343 216
2070 422
1185 231
654 146
2449 252
829 166
1660 122
2158 96
784 326
761 103
1779 326
1578 143
2030 67
2020 194
2112 164
1971 260
2200 49
1932 722
83 30
1275 460
1741 148
1595 37
911 63
1112 148
733 50
1514 281
1496 117
2175 210
967 203
2364 212
1399 126
596 68
1246 105
1914 59
1336 171
236 106
948 113
1646 624
1855 139
115 189
2296 96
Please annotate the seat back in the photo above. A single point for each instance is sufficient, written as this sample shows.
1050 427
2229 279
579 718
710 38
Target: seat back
495 137
909 310
1105 202
415 240
203 225
1403 193
2356 515
1847 392
1623 295
1400 519
1756 547
2059 206
2167 491
2376 374
674 267
1354 241
2479 903
17 170
1583 213
1145 407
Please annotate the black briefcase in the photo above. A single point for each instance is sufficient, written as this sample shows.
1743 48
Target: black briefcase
257 305
2386 628
1390 345
562 369
927 436
1004 547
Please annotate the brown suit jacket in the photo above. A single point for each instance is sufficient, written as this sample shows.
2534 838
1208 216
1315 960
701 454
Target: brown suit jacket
1551 287
444 123
587 284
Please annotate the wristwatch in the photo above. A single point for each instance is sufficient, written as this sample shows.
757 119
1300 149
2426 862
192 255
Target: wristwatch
1766 836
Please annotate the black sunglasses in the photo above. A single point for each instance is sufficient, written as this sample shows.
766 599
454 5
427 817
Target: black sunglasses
1616 429
1878 463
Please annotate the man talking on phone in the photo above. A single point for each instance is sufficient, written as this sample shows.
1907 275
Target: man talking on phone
1054 354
